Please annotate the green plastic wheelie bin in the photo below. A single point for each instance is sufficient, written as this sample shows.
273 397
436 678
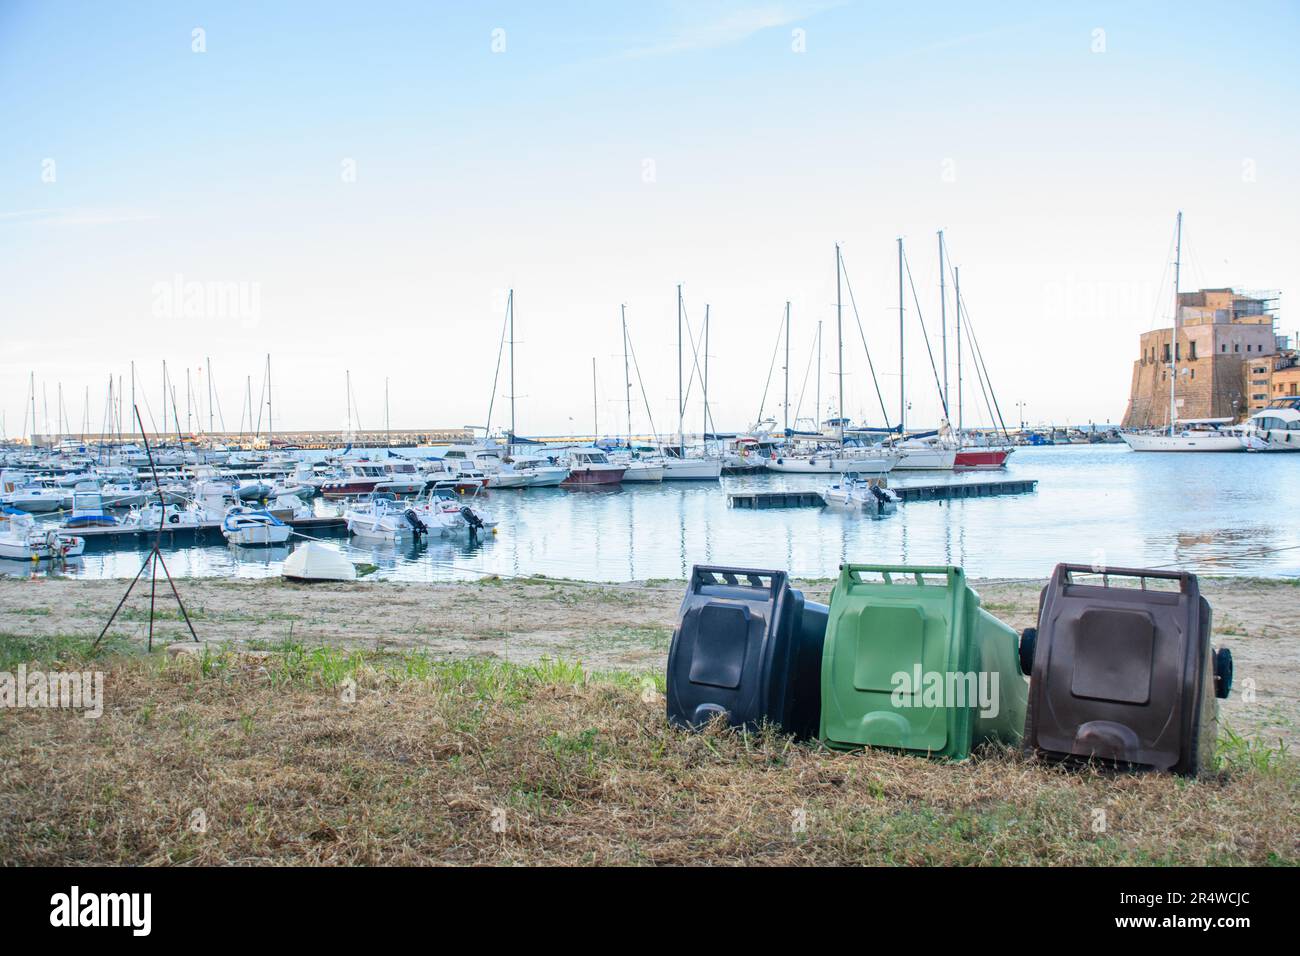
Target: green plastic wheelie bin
912 662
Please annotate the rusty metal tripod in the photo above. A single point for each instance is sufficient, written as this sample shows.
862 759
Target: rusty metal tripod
153 560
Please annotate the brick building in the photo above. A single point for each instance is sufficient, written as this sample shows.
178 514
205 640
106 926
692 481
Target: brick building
1225 357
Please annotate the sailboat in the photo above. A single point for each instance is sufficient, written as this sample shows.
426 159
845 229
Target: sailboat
1197 435
677 466
840 459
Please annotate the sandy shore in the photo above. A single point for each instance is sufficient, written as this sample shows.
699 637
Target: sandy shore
603 626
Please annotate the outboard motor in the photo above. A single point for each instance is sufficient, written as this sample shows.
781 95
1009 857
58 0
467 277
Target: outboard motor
414 521
474 521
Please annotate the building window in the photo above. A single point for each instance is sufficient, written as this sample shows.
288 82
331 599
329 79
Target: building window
1192 354
1236 346
1166 355
1223 347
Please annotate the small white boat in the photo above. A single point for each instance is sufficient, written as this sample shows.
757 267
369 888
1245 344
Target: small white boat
169 518
37 499
691 469
858 494
383 518
22 540
313 561
253 527
444 512
644 469
1274 428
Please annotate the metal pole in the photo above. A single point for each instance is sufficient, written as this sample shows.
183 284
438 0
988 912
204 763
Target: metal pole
595 405
704 383
817 423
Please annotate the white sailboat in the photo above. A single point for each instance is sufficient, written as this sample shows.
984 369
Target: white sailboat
841 459
1197 434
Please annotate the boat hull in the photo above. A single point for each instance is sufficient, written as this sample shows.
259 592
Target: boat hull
981 459
832 465
1185 442
590 477
926 459
692 469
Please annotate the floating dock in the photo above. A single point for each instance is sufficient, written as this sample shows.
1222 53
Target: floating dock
759 500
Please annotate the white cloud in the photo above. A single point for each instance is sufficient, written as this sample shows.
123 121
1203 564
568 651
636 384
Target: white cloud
730 25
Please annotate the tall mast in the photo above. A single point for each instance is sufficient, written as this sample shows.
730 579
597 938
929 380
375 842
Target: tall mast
1173 345
956 291
595 405
510 306
388 425
347 374
189 420
270 410
817 418
133 391
839 333
787 364
627 376
164 401
681 408
210 429
943 326
704 383
902 389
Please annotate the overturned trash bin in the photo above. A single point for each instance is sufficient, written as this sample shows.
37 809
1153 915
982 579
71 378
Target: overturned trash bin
1123 670
912 662
748 646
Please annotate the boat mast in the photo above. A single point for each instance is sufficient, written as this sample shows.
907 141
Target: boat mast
956 291
787 364
902 391
347 374
132 390
627 375
595 405
210 395
839 332
1173 344
388 425
943 326
817 417
164 401
681 409
510 305
270 420
704 382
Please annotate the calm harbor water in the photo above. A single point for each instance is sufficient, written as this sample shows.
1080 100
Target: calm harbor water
1215 514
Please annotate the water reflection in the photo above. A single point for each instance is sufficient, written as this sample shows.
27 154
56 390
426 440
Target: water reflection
1211 513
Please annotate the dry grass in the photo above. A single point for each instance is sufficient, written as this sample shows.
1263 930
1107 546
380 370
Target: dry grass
574 768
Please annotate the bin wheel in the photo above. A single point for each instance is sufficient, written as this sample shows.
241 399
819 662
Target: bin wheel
1028 638
1222 672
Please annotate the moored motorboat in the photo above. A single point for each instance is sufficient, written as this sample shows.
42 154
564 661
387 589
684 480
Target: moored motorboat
22 540
253 527
590 467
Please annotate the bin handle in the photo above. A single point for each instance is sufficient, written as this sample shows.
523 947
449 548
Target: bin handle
706 574
887 571
1184 578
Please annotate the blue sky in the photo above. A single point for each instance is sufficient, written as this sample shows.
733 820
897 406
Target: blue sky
379 175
